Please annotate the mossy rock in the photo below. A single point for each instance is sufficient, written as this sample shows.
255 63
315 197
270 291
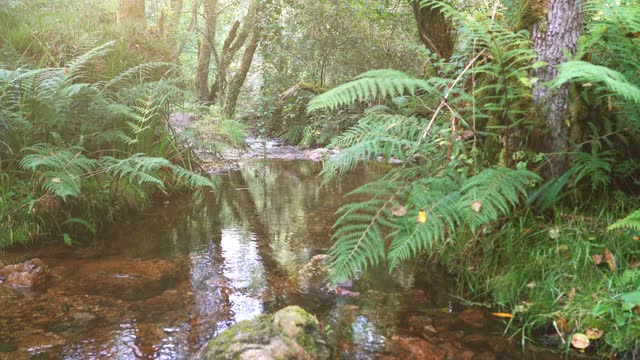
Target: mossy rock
290 333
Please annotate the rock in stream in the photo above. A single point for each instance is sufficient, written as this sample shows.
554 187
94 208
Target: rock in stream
290 333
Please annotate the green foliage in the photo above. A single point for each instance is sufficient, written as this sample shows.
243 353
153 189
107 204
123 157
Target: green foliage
632 221
99 147
456 196
610 81
369 233
371 85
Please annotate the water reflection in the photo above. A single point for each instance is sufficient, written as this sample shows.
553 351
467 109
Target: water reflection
241 251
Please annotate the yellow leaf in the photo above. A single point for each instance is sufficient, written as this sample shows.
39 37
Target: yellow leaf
502 315
594 333
580 341
422 216
561 324
476 206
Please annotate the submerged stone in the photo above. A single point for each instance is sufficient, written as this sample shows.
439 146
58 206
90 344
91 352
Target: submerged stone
33 274
315 274
290 333
123 278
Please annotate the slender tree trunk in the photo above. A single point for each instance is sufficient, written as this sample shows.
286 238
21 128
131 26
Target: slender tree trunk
556 32
206 49
232 44
238 79
220 84
131 10
193 24
435 31
173 22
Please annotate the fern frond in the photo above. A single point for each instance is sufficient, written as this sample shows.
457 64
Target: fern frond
631 221
373 85
60 170
191 179
492 193
139 73
439 199
585 72
359 236
138 168
76 68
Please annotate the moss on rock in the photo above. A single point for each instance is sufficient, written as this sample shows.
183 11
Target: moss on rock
290 333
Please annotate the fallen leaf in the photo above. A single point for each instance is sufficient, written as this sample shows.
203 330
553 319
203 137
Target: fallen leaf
554 233
476 206
637 309
527 303
597 258
562 325
502 315
399 211
430 329
56 180
611 260
531 285
580 341
572 294
633 265
422 216
594 333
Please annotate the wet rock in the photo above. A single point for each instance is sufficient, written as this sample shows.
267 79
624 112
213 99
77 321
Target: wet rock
82 319
33 274
421 323
315 273
319 154
150 334
289 156
39 341
474 316
290 333
342 291
123 279
407 347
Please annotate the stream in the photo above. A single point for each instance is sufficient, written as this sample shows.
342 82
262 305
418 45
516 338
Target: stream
159 285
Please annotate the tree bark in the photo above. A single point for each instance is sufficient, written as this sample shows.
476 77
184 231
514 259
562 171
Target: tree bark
232 44
434 29
206 49
131 10
240 76
554 33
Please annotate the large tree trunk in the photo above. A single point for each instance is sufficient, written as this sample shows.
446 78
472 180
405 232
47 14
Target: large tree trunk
131 10
236 83
435 31
206 49
556 32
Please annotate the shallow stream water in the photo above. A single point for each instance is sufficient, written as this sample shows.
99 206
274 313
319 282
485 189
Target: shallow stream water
158 286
